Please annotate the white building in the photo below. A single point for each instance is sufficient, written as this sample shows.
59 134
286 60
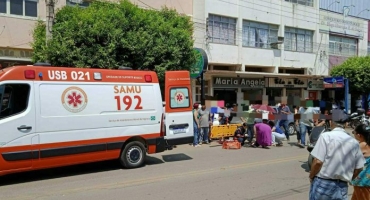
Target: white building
266 42
18 19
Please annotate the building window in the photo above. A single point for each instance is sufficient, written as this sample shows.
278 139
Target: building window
259 35
80 3
3 6
26 8
298 40
302 2
221 29
368 48
342 46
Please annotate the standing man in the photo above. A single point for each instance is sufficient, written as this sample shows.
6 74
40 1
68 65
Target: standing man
204 123
196 124
285 111
337 160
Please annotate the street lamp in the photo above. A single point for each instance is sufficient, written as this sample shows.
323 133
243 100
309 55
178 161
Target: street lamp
337 1
362 11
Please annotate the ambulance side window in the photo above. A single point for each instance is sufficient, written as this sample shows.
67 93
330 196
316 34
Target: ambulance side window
13 99
179 97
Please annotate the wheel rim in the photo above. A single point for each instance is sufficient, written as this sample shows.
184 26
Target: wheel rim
134 154
291 130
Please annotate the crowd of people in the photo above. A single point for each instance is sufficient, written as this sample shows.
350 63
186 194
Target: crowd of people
339 158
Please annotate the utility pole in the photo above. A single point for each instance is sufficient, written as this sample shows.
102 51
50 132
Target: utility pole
50 5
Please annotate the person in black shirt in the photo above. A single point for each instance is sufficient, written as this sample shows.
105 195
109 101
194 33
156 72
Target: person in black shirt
240 133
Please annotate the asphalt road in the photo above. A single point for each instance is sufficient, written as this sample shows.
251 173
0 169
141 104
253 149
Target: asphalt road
207 172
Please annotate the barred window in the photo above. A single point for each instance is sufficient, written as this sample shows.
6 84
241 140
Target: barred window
302 2
298 40
222 29
261 35
342 46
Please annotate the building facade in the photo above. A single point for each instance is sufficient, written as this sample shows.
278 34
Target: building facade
18 19
287 43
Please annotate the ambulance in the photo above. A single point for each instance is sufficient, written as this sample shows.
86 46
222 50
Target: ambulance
54 116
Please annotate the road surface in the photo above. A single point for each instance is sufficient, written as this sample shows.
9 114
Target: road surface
207 172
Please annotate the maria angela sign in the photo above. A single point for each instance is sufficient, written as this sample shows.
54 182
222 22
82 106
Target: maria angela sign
239 82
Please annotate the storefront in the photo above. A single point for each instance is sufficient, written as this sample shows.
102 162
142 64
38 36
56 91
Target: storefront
285 90
10 57
227 89
314 89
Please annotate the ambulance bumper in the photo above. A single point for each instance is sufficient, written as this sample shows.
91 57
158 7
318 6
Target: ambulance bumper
159 143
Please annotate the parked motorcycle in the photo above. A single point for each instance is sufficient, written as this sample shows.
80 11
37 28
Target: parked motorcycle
318 130
358 118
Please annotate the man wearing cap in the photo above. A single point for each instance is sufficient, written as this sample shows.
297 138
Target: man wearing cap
337 160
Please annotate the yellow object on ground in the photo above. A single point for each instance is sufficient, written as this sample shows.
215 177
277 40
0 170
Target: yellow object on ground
223 131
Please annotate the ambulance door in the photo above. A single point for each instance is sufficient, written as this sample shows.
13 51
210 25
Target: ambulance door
17 125
178 108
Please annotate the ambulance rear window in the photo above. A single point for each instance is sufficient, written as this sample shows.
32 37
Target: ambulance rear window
179 97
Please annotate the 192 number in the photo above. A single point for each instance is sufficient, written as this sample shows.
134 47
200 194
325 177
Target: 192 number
128 101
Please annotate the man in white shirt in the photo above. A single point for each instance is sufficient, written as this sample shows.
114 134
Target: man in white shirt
337 160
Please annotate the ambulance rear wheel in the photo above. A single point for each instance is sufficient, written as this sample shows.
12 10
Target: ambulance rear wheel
133 155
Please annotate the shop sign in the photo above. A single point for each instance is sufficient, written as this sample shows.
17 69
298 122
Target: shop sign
315 85
334 82
343 24
201 63
15 53
239 82
287 83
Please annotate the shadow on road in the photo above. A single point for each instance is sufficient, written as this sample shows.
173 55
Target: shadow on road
60 172
89 168
176 157
304 166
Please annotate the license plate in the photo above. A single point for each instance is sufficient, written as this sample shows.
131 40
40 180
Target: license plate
175 131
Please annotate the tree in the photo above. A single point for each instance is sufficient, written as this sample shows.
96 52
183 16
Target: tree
109 35
356 70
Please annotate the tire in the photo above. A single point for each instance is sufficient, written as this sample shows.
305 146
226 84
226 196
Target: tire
309 162
291 129
133 155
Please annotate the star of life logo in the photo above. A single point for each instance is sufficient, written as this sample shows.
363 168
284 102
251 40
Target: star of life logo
74 99
179 97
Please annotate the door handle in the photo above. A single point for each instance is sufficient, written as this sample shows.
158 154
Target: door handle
24 127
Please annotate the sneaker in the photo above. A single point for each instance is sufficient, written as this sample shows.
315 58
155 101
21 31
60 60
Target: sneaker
196 145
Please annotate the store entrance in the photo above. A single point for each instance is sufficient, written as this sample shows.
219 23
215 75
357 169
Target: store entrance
227 95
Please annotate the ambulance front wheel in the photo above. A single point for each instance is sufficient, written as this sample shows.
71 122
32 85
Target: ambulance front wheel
133 155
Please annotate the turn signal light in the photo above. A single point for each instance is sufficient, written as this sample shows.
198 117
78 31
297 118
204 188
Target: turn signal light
148 78
29 74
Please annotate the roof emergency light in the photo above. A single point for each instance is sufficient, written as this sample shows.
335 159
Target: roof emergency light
97 76
29 74
148 78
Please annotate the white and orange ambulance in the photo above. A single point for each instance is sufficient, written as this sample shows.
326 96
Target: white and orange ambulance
54 116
